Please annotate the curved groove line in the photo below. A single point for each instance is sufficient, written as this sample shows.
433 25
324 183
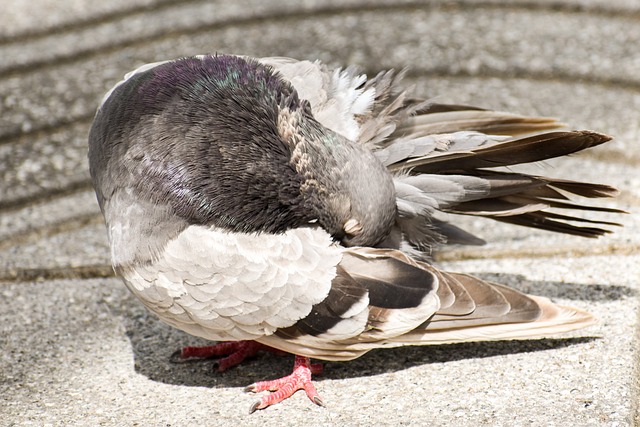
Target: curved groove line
43 196
56 273
326 11
83 24
37 233
161 5
43 130
518 73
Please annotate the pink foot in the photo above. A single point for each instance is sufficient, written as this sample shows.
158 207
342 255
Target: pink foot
285 387
235 352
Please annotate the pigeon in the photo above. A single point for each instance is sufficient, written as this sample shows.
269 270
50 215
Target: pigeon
276 204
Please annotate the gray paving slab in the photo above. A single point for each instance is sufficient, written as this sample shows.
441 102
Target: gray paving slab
88 354
77 349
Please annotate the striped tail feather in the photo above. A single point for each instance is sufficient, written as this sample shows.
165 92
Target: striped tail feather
462 153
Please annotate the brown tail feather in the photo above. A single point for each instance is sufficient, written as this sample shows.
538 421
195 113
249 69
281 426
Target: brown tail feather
518 198
443 118
543 221
518 151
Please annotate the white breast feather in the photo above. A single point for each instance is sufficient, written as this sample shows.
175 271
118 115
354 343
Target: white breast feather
229 286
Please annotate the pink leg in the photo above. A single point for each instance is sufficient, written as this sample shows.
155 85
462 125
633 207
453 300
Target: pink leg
285 387
235 352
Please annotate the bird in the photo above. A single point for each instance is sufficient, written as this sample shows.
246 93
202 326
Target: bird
284 205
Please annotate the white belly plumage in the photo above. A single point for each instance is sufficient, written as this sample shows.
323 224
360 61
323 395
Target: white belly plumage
222 285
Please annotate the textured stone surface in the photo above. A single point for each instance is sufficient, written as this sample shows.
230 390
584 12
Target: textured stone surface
77 349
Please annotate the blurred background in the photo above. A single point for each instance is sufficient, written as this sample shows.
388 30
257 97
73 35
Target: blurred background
578 61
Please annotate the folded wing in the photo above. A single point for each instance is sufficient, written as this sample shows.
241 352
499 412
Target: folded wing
383 298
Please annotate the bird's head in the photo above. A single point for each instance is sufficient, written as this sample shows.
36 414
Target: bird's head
360 205
351 192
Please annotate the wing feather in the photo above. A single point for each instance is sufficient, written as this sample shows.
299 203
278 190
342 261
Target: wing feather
397 301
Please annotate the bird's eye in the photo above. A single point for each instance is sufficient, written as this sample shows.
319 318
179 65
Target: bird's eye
352 227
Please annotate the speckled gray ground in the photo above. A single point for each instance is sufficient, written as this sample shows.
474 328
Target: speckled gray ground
77 349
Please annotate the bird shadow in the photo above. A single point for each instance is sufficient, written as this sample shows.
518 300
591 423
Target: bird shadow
561 290
153 343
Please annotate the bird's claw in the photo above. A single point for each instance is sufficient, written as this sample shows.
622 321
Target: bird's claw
285 387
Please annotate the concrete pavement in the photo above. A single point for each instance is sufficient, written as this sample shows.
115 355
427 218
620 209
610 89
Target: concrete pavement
77 349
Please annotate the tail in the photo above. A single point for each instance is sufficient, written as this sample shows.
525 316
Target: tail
455 160
476 310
